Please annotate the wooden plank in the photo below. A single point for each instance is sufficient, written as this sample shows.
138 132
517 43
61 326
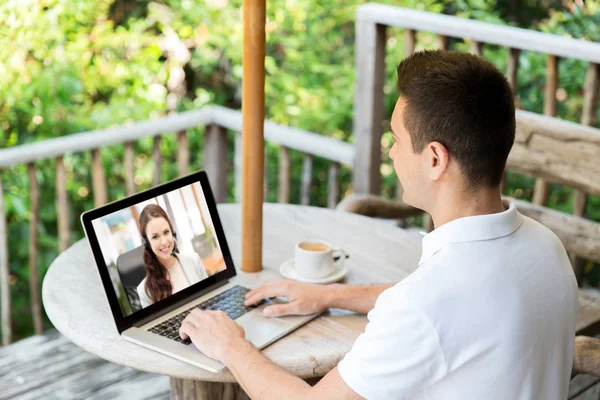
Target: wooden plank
368 106
581 385
556 150
98 180
62 206
590 95
283 187
551 85
540 193
333 186
443 42
586 358
306 180
588 117
215 160
50 366
377 207
505 36
34 284
298 139
183 153
410 39
476 48
87 141
6 303
253 154
156 160
129 168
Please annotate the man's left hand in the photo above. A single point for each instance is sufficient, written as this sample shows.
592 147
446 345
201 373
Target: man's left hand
213 333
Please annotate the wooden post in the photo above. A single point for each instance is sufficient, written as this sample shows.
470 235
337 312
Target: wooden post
156 160
98 180
540 194
215 160
186 389
283 194
443 42
62 205
410 39
368 106
513 66
306 180
333 186
253 115
4 275
588 117
476 48
129 168
183 153
34 287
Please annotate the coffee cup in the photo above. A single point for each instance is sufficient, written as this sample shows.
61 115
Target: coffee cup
313 259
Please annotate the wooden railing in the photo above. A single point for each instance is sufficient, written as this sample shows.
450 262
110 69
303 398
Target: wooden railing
217 120
372 22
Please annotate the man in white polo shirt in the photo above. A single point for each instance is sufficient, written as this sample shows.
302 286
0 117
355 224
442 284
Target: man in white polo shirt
490 311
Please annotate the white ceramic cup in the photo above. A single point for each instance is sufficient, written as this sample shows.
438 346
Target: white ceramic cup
313 259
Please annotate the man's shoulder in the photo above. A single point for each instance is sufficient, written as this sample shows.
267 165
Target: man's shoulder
540 231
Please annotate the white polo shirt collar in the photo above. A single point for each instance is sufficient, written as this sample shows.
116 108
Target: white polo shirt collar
471 229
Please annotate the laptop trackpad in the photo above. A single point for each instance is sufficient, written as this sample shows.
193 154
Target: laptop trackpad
261 330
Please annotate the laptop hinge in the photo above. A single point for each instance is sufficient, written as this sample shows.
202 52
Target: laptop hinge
178 304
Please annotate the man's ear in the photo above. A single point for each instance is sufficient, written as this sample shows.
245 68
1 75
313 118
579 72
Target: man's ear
438 160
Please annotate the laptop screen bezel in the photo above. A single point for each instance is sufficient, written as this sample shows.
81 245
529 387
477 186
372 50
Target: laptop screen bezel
125 322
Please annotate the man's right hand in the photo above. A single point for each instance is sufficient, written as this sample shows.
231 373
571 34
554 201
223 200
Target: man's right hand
304 298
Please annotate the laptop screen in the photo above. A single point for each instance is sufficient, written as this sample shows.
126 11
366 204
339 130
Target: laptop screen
159 246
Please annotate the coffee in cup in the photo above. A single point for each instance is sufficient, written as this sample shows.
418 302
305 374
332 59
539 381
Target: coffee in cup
311 246
313 259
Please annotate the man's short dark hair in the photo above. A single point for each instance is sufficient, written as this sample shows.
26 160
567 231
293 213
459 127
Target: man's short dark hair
466 104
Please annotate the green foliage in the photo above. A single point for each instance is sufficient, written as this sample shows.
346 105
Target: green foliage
70 66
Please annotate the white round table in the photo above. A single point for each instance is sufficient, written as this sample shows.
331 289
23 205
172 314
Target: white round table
379 253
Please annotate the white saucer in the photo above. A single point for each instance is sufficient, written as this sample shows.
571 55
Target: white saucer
287 270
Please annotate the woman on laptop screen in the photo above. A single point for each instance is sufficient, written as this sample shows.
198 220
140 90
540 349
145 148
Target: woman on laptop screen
167 270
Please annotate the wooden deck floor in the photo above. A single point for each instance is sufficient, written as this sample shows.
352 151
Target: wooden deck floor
51 367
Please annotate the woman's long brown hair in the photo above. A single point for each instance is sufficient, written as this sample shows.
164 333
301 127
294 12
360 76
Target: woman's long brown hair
158 286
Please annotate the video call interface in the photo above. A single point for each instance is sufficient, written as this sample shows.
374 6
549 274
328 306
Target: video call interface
159 247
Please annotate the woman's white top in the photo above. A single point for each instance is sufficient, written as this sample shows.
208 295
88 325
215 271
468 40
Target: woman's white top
190 270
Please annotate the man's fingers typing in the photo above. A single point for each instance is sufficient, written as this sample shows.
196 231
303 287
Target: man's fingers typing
183 329
269 289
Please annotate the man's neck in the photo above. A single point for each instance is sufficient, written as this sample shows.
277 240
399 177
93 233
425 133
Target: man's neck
459 205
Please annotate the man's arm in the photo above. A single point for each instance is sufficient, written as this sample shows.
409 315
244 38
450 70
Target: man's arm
306 298
359 298
261 379
217 336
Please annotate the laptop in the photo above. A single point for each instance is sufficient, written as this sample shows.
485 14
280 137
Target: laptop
163 252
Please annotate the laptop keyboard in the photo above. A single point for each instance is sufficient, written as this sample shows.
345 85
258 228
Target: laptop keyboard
230 301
